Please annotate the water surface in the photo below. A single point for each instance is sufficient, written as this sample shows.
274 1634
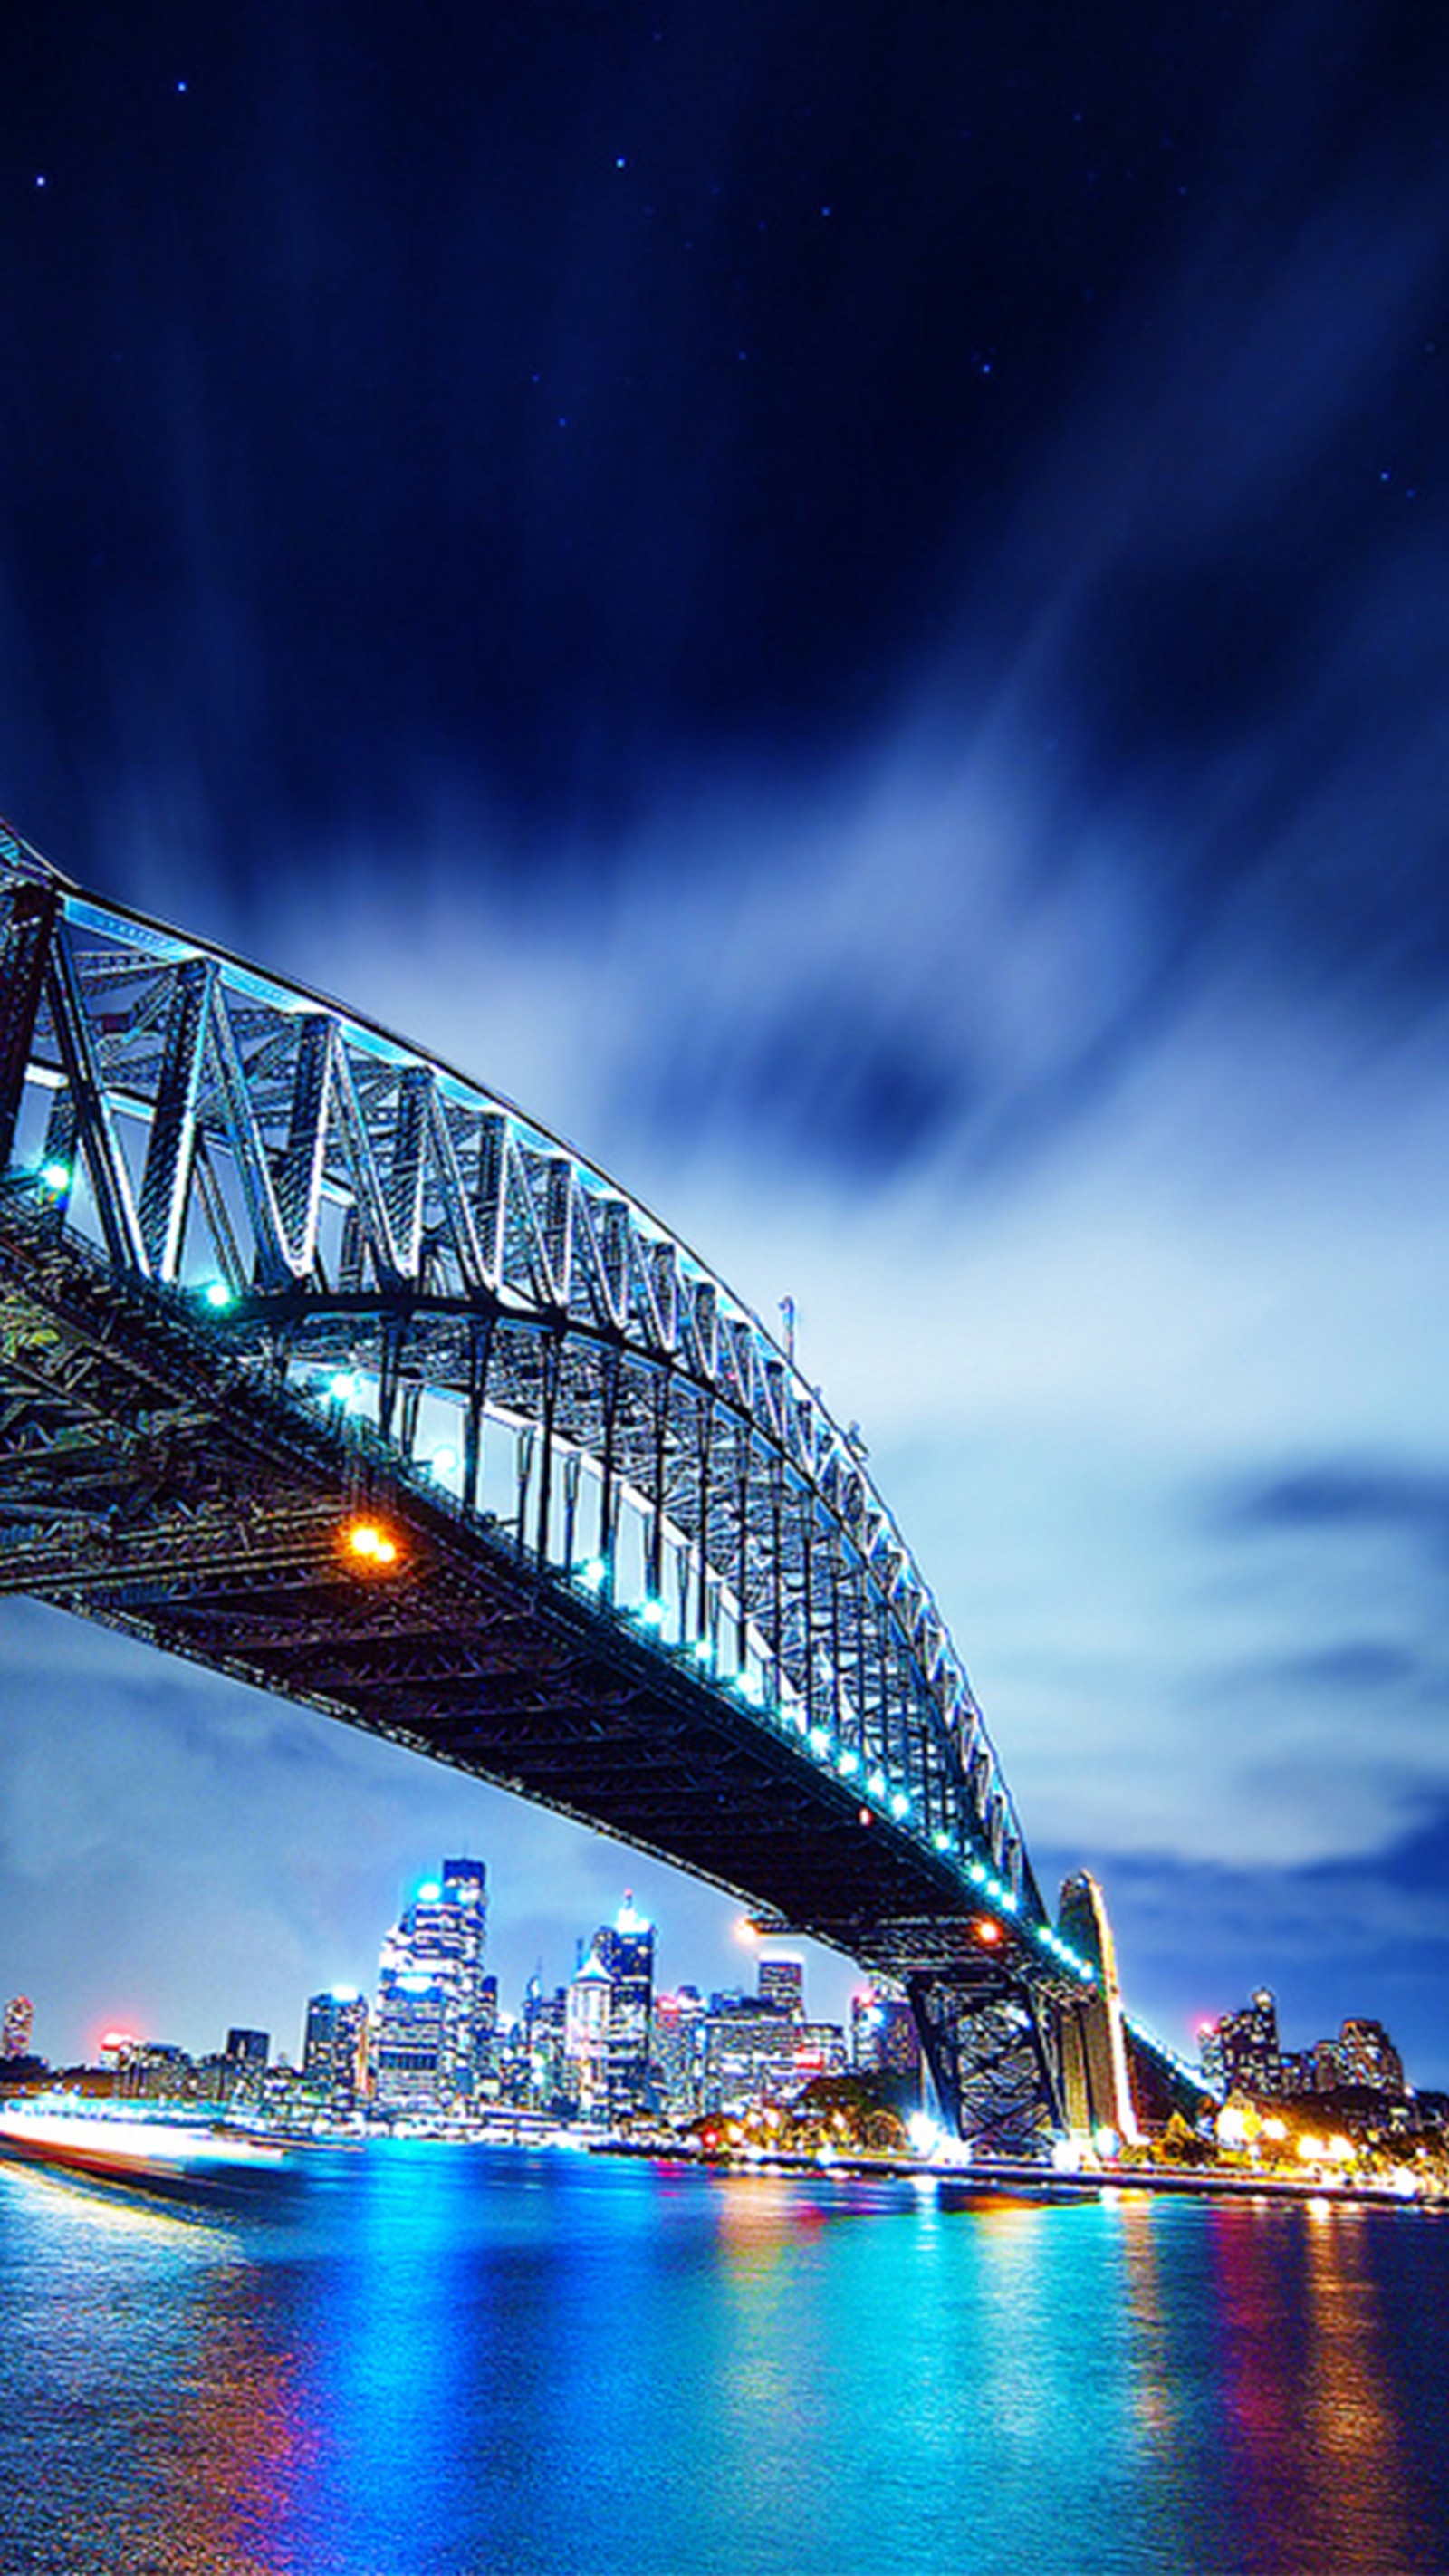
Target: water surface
439 2361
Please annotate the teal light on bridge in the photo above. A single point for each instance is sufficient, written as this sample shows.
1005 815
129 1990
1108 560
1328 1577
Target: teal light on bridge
56 1178
876 1784
652 1614
849 1763
218 1296
941 1842
900 1804
343 1389
444 1462
593 1574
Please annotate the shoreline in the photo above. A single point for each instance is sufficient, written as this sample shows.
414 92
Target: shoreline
178 2160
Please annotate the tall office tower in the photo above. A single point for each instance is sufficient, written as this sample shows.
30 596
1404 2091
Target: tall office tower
675 2051
16 2028
884 2040
1247 2047
485 2036
465 1885
243 2065
1367 2055
334 2049
626 1948
431 2010
782 1984
586 2035
543 2027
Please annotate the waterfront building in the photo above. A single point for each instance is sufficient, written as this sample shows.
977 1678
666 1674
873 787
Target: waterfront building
586 2037
335 2047
434 2019
1366 2055
884 2040
244 2065
16 2027
754 2054
1244 2055
625 1949
156 2071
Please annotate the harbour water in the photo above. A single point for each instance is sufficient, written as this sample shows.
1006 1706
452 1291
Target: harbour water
423 2360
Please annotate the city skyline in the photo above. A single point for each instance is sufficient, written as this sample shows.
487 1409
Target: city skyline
866 646
1239 2045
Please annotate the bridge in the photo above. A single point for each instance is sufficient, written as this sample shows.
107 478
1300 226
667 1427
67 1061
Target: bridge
332 1370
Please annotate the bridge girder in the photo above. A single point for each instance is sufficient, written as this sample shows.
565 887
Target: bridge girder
262 1265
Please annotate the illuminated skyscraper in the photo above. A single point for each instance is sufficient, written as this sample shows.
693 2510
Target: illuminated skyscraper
1243 2049
586 2035
433 2026
675 2054
334 2050
782 1983
626 1949
1367 2055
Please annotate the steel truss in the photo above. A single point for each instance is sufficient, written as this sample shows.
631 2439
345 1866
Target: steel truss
692 1620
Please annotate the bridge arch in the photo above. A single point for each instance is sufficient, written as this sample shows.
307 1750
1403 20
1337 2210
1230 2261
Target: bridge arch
413 1290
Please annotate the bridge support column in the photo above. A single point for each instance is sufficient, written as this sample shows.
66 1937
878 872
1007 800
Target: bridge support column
994 2055
27 917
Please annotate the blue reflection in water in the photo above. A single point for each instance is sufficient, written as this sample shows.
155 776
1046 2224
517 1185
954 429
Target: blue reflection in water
432 2361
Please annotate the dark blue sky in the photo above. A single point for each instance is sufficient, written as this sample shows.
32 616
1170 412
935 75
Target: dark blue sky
853 604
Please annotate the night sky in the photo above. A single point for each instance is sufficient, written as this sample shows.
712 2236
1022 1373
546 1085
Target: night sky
852 604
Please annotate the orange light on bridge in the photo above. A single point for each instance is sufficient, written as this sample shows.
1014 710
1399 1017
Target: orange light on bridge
370 1545
985 1930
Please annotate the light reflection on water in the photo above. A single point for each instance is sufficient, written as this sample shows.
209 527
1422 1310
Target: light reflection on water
423 2361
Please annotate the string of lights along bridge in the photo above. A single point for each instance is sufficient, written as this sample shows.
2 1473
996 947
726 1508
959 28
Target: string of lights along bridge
331 1369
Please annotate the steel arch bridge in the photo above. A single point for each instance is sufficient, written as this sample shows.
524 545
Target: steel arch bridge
329 1368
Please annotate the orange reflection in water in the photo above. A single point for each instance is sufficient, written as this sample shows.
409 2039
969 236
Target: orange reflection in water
1154 2404
1315 2453
221 2468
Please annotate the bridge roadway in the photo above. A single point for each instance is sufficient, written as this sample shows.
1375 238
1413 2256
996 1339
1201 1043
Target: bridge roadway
644 1580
